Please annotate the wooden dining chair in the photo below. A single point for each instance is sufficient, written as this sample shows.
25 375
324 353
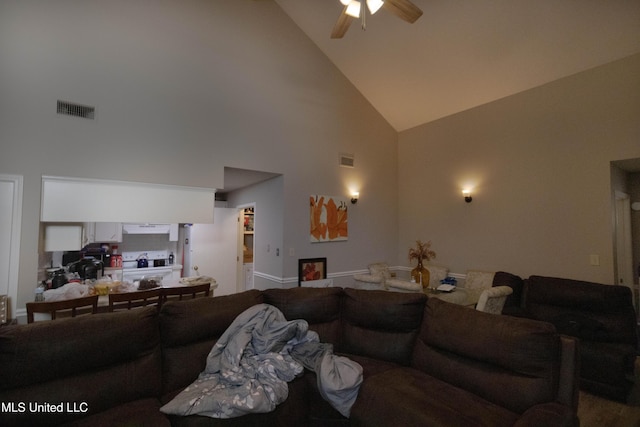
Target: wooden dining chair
186 292
129 300
73 306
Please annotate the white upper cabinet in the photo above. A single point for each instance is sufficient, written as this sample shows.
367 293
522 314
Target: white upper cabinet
108 232
121 201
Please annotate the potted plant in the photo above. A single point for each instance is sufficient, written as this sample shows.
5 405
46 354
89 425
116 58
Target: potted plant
421 252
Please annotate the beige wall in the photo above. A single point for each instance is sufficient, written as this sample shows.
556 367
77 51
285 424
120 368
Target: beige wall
539 166
182 89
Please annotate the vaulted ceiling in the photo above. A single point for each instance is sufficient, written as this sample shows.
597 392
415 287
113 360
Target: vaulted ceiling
465 53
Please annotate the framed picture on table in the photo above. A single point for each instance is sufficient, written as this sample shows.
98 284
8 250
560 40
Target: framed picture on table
311 269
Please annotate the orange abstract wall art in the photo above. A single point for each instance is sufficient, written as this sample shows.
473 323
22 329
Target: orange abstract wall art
328 219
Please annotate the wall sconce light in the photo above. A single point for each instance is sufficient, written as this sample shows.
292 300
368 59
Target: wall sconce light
467 196
354 197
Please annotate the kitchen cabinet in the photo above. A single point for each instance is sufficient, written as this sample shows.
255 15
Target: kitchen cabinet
173 232
122 201
108 232
102 232
62 237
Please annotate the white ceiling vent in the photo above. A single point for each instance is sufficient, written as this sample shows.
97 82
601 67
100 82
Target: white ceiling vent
76 110
347 160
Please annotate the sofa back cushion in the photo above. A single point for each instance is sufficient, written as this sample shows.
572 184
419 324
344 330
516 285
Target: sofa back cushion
320 307
586 310
502 278
190 328
496 357
103 360
381 325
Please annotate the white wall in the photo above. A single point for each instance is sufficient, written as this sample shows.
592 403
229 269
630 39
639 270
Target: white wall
182 89
539 163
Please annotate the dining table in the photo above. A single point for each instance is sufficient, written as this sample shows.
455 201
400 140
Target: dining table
77 290
103 300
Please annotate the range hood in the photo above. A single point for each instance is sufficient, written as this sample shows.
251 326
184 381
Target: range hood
146 228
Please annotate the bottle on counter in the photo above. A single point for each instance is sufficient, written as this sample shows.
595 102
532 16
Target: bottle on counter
40 292
171 258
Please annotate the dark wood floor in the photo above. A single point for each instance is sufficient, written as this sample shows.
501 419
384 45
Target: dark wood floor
595 411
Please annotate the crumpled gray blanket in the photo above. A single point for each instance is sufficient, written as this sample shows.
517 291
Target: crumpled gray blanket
248 368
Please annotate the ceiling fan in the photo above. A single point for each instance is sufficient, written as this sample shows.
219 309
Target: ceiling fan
403 9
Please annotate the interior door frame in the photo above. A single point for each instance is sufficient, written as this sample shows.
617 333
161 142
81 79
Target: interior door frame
17 183
624 245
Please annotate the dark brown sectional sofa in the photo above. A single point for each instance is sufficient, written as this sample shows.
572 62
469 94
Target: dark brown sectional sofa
601 316
426 362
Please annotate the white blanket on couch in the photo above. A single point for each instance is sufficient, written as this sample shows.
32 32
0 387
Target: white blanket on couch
248 368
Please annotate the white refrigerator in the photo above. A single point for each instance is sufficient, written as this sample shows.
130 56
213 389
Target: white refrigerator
212 250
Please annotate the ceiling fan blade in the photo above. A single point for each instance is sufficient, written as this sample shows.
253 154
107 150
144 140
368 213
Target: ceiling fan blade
403 9
342 25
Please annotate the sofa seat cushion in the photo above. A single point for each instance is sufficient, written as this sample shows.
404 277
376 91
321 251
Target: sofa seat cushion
320 409
139 413
292 411
371 367
249 420
409 397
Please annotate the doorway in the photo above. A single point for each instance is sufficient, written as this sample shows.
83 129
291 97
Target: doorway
246 246
10 228
625 185
624 249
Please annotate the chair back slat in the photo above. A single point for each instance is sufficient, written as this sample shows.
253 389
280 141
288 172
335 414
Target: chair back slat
193 291
53 307
129 300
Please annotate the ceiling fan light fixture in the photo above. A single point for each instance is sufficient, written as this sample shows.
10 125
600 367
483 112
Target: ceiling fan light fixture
353 9
374 5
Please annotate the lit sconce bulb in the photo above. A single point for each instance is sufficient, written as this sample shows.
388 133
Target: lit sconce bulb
354 197
345 2
467 196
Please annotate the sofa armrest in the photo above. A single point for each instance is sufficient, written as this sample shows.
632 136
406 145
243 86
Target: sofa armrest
548 414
